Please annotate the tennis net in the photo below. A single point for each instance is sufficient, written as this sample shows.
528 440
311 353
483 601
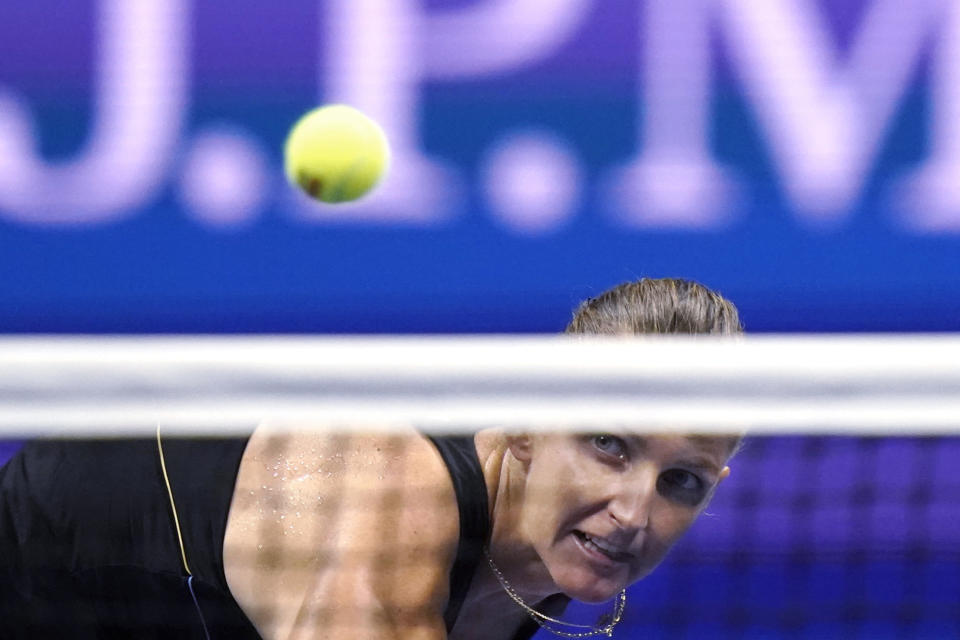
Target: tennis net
841 518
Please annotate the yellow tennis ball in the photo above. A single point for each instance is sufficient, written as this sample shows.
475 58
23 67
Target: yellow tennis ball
336 154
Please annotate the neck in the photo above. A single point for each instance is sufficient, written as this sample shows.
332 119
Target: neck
509 547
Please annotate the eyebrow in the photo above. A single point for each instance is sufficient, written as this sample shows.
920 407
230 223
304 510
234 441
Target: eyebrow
696 461
706 463
702 463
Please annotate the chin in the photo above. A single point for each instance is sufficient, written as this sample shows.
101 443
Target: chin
590 589
593 595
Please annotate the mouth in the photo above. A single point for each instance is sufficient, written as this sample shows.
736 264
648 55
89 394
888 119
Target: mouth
601 550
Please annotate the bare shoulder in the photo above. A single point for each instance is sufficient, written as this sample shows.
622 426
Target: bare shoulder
327 529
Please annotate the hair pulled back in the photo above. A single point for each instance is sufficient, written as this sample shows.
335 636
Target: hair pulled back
664 305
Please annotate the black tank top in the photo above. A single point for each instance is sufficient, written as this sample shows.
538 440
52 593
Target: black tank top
87 546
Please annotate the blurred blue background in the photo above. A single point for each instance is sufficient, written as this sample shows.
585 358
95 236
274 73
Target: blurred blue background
800 156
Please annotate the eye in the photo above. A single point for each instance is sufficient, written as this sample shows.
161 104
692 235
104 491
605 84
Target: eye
610 445
683 486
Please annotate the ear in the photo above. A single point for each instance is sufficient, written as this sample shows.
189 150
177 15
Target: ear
521 446
724 474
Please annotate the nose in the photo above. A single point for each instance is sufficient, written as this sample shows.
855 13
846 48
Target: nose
630 507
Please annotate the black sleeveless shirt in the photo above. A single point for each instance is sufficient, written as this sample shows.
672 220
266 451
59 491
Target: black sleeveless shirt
88 548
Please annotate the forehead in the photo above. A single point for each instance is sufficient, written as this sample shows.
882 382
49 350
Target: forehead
724 445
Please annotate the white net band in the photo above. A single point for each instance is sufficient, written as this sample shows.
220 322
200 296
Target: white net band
104 385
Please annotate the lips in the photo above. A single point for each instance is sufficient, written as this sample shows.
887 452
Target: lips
600 549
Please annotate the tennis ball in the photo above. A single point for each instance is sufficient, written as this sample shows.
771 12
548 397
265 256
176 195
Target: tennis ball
335 153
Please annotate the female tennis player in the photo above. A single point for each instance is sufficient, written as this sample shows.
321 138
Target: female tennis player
300 533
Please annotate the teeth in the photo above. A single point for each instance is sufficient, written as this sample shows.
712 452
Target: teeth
601 546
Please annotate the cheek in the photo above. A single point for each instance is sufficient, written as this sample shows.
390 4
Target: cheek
541 508
668 523
555 502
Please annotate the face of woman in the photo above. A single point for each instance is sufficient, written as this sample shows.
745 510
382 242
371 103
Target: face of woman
602 510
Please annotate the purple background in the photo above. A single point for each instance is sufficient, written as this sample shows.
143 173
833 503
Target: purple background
811 538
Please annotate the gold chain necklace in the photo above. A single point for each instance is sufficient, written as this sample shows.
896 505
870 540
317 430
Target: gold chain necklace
608 621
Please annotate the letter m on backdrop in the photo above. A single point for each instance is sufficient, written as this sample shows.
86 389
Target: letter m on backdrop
823 110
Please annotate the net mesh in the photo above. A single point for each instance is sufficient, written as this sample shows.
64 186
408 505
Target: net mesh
841 518
820 536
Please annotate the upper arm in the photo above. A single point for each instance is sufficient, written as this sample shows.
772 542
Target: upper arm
342 537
